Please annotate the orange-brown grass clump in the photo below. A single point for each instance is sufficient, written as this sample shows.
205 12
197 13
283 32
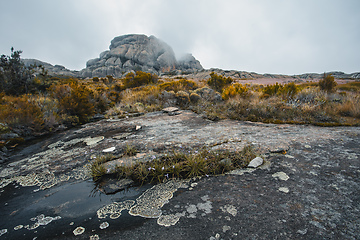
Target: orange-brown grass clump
178 165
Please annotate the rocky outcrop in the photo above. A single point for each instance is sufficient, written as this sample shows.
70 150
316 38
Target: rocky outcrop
51 69
138 52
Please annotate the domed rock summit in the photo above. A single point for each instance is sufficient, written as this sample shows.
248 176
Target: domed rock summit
138 52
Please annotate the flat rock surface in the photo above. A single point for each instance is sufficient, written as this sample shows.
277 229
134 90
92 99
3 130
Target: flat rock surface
307 188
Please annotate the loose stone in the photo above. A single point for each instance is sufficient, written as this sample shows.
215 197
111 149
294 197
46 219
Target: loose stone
256 162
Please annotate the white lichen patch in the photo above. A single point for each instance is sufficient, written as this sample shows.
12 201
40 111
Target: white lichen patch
191 209
4 182
281 175
168 220
3 231
284 189
47 179
229 209
41 220
114 209
149 204
18 227
242 171
79 231
206 206
226 228
92 141
104 225
94 237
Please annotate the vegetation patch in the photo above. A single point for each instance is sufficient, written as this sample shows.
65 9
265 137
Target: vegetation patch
179 165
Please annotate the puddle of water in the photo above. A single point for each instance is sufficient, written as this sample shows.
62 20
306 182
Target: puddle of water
76 203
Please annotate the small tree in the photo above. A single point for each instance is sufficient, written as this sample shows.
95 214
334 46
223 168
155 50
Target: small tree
328 83
15 77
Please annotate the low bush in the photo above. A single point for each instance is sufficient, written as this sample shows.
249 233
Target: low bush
74 100
21 113
328 83
179 85
138 79
218 82
233 90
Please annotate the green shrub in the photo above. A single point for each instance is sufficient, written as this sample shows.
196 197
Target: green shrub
328 83
15 78
218 82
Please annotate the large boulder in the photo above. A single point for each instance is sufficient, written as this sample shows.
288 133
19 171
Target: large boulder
138 52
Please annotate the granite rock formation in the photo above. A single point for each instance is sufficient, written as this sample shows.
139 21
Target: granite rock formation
138 52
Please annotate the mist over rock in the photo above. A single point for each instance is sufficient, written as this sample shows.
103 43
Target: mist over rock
138 52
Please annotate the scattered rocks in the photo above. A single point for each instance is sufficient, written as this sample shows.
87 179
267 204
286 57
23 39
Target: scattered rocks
8 136
171 111
256 162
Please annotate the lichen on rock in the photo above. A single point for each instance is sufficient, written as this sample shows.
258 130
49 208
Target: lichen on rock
149 204
114 209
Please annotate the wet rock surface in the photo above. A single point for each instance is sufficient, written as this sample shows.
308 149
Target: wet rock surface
306 188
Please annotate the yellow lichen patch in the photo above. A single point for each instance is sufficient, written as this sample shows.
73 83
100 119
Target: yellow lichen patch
18 227
94 237
114 209
6 181
104 225
79 231
47 179
168 220
92 141
149 204
229 209
41 220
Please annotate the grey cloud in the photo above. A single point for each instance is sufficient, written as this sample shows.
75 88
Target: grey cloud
263 36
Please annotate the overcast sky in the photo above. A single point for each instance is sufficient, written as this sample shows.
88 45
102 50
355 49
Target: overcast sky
263 36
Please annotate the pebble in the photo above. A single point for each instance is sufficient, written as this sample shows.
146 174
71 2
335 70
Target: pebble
109 149
256 162
281 175
284 189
